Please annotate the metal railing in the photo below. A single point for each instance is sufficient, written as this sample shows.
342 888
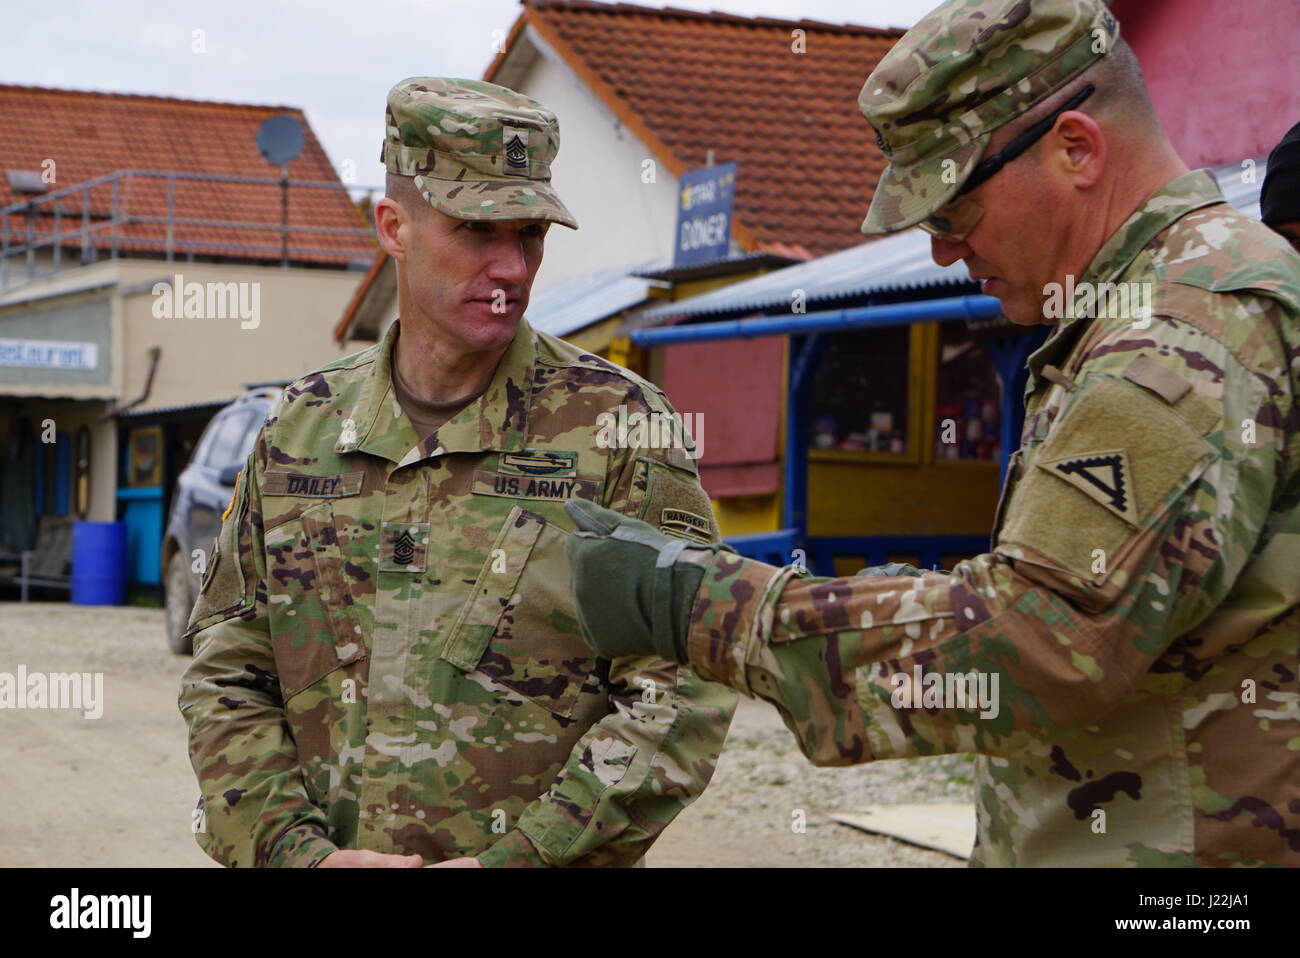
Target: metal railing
103 224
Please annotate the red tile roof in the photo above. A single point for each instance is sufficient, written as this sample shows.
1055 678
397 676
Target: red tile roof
685 82
90 134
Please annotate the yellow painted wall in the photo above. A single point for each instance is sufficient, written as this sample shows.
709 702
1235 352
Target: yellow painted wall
741 515
943 498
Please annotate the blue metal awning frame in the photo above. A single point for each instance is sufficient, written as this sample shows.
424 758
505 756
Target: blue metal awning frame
1009 357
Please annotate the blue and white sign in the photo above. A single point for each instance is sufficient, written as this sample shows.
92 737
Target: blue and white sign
704 214
48 354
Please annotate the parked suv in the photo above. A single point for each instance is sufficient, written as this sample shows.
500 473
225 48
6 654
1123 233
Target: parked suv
203 491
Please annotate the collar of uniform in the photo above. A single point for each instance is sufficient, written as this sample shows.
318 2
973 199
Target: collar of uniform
498 419
1172 201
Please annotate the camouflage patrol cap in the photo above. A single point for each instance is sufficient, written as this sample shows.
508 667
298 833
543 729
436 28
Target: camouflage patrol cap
965 69
477 151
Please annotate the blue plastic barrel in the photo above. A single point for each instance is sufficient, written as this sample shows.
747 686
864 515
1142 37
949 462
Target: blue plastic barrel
98 563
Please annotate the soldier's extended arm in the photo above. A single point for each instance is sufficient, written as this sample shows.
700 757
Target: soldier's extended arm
629 775
257 811
1089 583
654 753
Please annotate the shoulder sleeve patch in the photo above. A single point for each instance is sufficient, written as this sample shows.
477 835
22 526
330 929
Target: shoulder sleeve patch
226 590
1103 476
675 504
1112 466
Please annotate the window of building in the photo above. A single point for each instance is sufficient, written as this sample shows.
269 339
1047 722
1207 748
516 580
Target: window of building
968 403
860 399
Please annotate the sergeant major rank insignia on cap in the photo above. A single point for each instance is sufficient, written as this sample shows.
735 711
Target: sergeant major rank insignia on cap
515 148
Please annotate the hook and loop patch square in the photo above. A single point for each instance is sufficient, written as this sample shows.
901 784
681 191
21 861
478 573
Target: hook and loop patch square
1113 465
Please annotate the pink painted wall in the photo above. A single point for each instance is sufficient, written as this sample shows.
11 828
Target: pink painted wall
736 385
1224 75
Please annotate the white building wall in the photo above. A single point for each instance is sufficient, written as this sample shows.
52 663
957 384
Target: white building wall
598 174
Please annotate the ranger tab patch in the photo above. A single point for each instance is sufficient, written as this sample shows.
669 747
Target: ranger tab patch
679 522
1102 476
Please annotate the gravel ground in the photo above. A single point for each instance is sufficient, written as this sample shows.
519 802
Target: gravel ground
118 790
746 816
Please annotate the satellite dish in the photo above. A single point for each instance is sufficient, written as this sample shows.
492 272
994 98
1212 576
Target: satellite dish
280 139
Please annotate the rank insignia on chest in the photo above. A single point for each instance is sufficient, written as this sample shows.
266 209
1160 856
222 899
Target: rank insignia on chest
404 547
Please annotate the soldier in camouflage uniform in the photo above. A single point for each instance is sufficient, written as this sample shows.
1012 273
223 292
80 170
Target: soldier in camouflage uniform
387 656
1140 610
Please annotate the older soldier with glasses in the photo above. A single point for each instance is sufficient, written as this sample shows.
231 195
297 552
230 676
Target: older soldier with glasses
1140 610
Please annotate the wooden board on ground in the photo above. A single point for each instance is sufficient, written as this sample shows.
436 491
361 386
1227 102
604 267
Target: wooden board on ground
944 827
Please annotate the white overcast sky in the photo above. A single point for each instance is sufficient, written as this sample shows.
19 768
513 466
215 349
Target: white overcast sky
335 60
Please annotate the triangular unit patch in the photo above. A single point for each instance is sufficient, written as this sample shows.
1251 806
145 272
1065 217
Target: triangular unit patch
1103 476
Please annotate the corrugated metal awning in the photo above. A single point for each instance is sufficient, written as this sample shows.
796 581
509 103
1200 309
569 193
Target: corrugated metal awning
579 301
162 411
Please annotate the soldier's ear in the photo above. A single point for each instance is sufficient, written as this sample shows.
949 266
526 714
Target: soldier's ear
392 225
1083 151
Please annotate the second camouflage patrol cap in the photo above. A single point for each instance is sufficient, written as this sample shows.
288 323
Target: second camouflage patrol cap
965 69
477 151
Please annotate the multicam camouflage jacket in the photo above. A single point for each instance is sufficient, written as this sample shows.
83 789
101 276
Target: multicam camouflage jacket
1140 610
386 650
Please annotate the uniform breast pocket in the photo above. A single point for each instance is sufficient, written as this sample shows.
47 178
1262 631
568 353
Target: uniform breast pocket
520 627
312 633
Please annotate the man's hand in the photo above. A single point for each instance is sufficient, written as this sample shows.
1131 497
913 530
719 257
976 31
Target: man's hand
457 863
633 596
354 858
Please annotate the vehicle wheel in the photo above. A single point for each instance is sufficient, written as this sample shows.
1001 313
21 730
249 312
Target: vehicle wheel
179 604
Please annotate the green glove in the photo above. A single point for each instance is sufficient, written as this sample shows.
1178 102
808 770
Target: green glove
633 596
